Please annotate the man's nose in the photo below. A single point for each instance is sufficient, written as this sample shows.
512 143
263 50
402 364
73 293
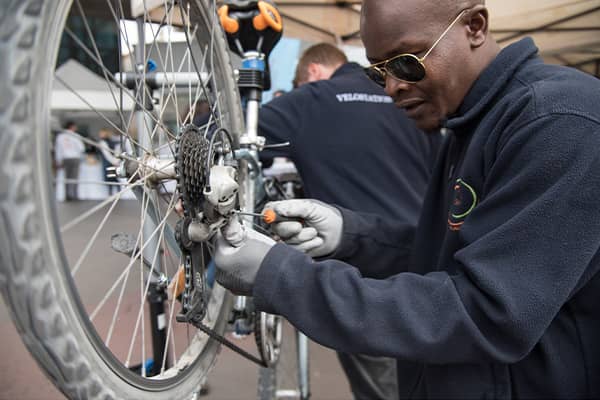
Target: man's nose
393 86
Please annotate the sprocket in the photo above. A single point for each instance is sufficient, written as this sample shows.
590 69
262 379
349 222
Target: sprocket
192 153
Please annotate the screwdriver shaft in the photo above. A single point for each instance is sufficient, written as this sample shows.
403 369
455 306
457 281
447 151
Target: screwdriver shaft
248 213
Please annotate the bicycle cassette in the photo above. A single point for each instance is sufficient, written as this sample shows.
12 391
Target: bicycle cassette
192 155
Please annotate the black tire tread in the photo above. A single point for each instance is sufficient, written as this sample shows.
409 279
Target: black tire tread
28 289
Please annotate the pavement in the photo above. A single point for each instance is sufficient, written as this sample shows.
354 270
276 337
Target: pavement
233 378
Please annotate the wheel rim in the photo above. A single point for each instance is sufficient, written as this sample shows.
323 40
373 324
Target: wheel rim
111 306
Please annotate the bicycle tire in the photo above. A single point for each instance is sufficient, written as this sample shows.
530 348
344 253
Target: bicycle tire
35 279
288 378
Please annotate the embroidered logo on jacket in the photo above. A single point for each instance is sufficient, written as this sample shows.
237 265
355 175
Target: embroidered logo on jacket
465 200
363 98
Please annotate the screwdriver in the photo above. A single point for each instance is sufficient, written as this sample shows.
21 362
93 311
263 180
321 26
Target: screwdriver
269 216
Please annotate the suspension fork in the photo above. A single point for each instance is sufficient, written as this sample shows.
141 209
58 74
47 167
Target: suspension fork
250 77
252 29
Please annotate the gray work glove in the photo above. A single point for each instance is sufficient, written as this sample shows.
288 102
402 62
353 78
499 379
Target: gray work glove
239 252
318 235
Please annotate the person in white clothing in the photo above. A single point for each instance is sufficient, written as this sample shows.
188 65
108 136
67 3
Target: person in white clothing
68 152
109 148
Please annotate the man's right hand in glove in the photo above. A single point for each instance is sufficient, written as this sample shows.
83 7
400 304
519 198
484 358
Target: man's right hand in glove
318 235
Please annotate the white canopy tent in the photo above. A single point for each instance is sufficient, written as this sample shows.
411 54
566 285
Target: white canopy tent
566 31
76 88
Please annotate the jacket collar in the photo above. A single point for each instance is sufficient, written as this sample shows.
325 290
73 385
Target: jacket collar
494 78
347 68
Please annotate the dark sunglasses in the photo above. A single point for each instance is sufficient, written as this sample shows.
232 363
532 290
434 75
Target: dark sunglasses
404 67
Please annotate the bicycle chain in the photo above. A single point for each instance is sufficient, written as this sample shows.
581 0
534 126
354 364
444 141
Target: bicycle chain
191 153
221 339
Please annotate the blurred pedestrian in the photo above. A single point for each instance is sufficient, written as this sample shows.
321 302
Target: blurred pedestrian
109 148
68 152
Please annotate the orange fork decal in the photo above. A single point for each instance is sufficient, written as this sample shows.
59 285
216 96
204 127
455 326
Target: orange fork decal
229 24
268 17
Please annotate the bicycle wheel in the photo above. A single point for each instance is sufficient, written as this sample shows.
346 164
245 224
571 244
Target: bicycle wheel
288 378
79 277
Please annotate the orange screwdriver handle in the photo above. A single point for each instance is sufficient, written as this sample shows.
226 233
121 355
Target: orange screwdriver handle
271 217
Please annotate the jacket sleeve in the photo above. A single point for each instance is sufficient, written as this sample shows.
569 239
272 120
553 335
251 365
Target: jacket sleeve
378 246
530 244
81 145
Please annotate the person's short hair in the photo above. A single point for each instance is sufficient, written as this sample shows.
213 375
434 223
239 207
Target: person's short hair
321 53
70 124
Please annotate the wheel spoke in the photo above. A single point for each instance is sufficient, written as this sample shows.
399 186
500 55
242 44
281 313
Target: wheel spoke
144 293
98 56
141 312
74 222
187 38
91 107
170 335
89 182
94 236
120 278
144 210
126 92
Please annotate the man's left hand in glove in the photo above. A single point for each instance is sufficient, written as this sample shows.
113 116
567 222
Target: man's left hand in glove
239 253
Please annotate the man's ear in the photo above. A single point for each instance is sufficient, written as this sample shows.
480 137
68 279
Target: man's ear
314 72
478 25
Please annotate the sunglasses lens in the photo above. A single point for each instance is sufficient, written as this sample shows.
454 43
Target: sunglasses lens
376 76
406 68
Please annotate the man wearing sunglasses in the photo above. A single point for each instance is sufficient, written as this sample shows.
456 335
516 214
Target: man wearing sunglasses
501 296
379 164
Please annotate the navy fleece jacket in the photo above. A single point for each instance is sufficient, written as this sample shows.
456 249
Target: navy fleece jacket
509 303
